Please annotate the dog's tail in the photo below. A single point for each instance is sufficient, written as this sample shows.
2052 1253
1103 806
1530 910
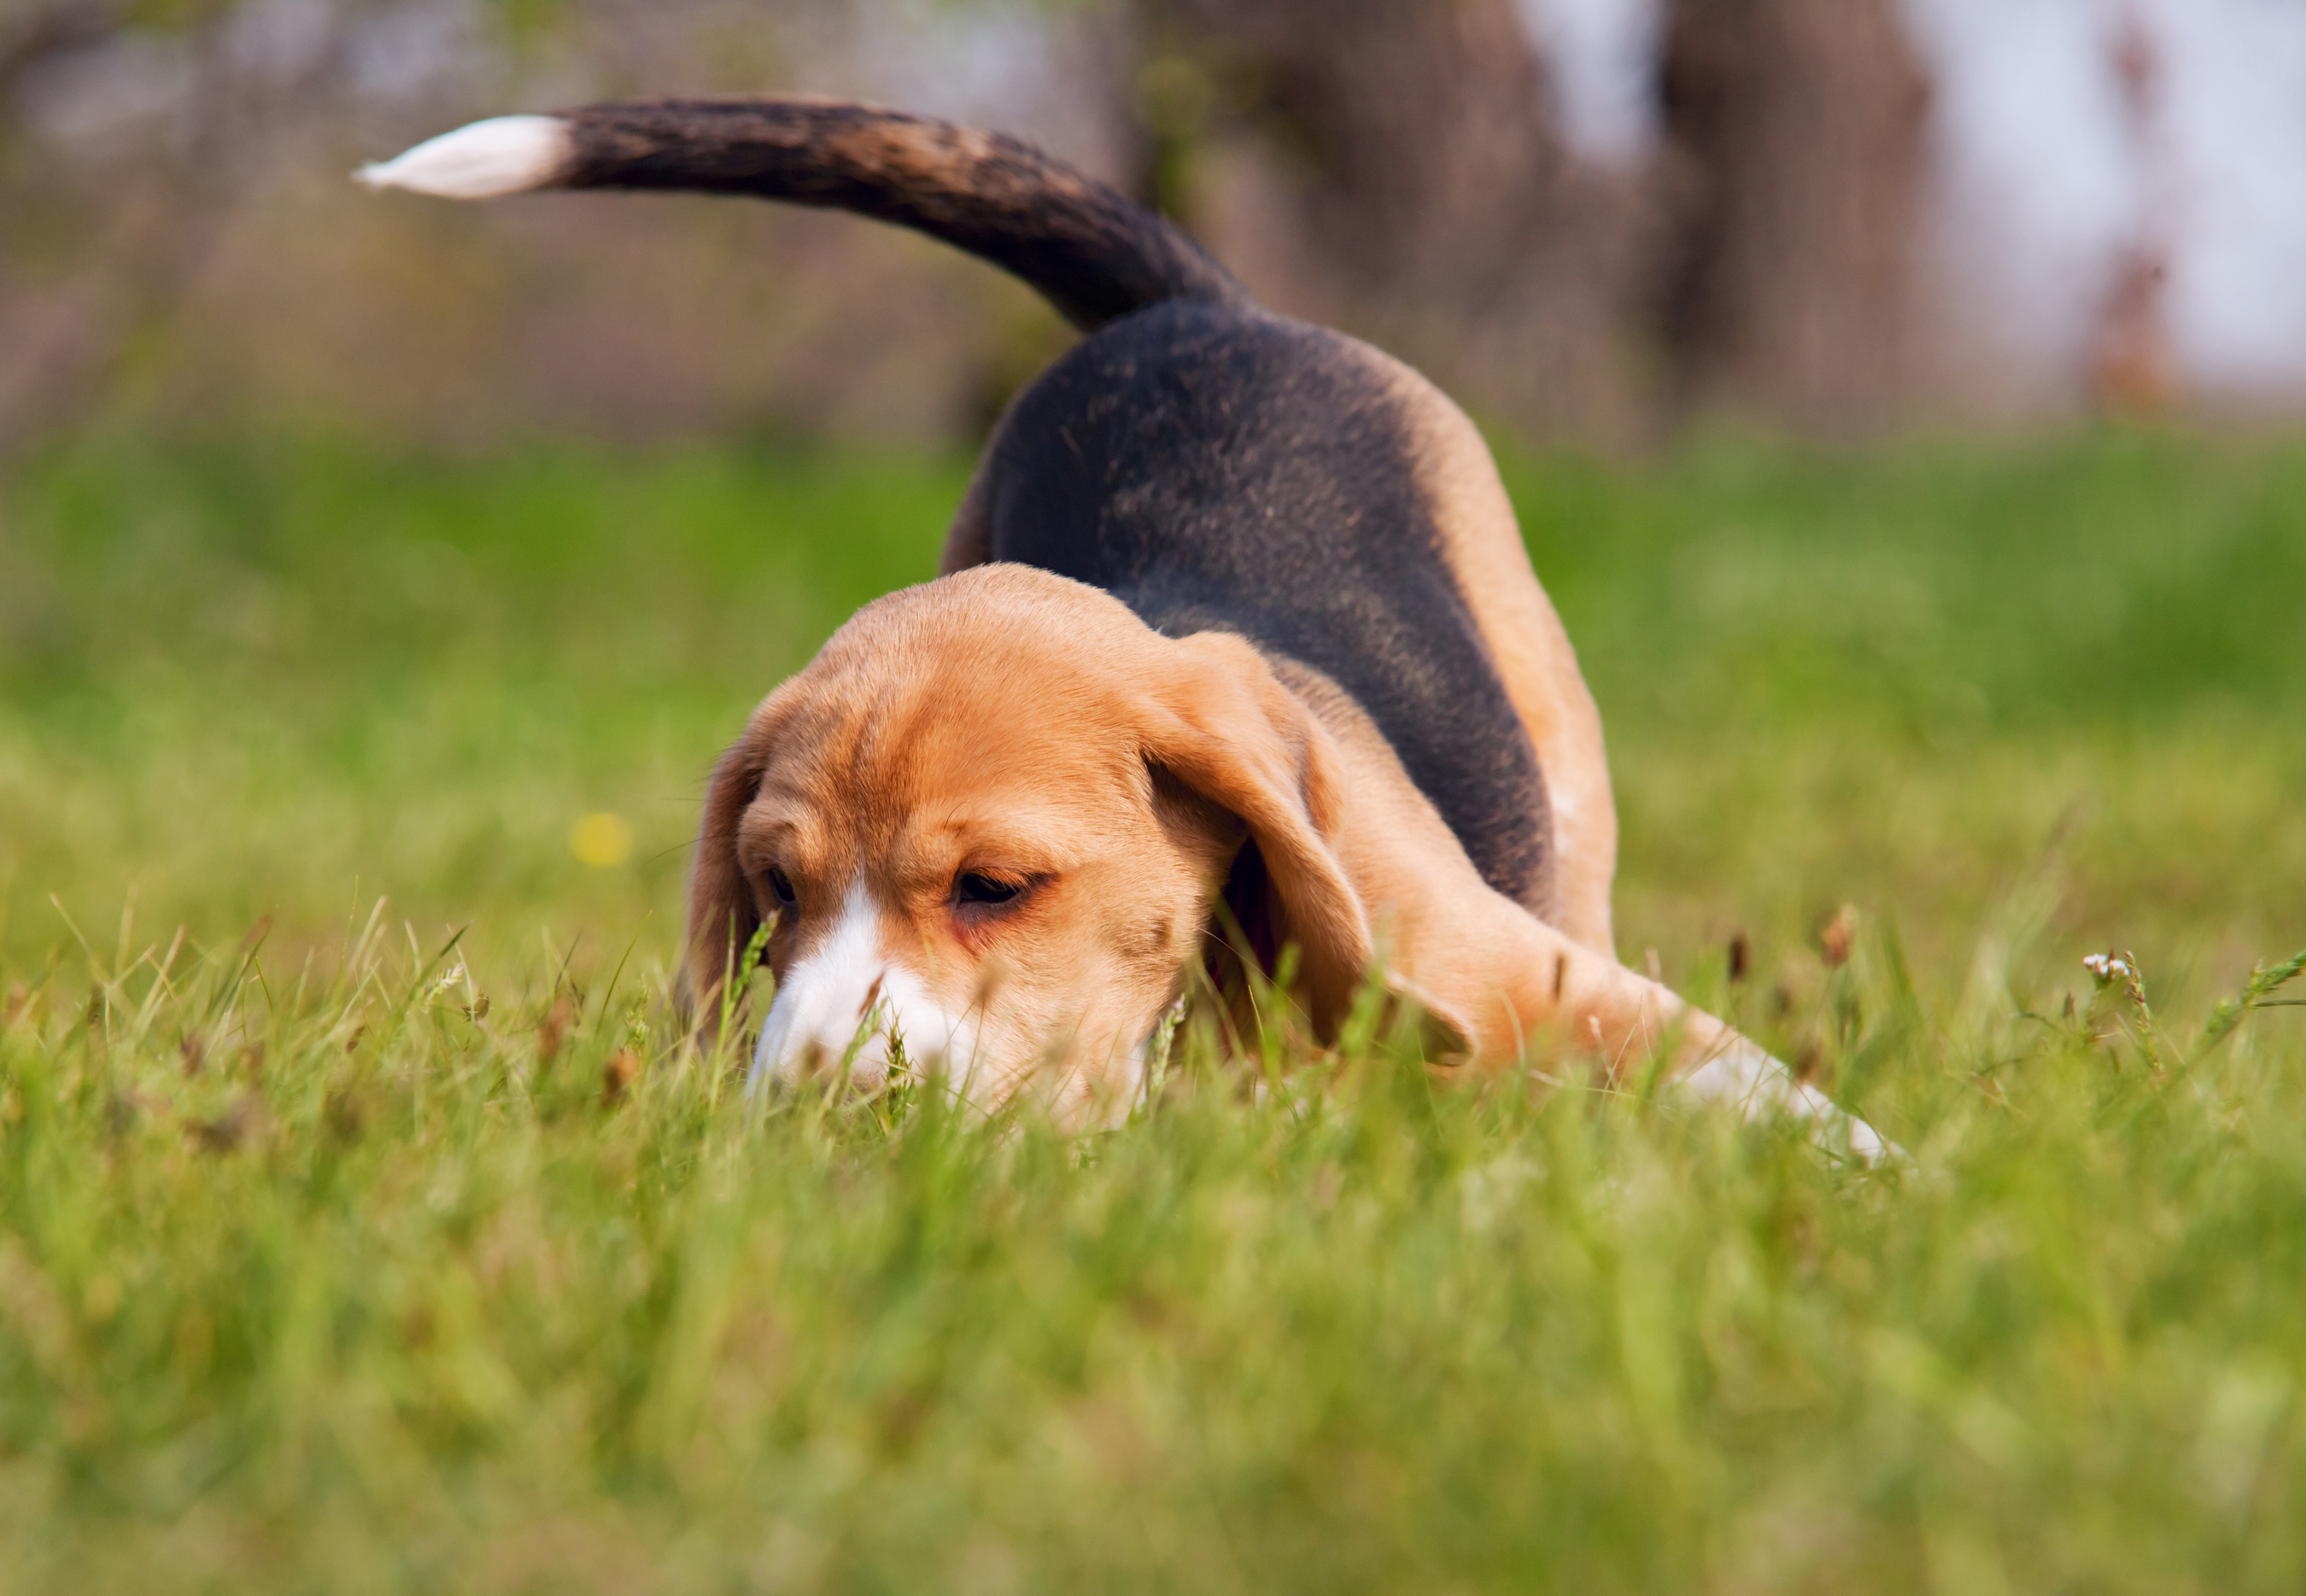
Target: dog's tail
1095 255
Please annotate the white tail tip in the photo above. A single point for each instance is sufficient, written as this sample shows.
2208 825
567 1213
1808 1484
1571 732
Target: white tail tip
505 155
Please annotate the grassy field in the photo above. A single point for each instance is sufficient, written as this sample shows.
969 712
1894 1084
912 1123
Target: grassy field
364 1226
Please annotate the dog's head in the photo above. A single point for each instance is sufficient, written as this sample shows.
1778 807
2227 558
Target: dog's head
992 823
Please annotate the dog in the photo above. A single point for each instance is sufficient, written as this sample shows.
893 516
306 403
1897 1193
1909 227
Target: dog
1235 663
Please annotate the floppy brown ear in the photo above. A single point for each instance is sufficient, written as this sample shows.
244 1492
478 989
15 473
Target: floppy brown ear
1222 725
723 914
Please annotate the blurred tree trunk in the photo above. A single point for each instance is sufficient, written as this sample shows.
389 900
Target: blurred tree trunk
142 224
1435 203
31 34
1796 139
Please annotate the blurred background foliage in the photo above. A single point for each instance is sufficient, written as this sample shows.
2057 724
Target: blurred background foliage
283 675
1592 219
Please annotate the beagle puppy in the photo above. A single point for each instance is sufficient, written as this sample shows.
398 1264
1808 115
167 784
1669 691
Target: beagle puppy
1235 658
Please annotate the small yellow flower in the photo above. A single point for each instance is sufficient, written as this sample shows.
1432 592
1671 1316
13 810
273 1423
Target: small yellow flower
601 840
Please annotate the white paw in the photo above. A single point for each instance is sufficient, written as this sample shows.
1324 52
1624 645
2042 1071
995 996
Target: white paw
1759 1084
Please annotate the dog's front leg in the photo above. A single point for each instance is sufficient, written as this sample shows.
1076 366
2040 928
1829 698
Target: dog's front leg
1512 983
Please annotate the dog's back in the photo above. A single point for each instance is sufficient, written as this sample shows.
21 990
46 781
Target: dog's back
1213 465
1217 469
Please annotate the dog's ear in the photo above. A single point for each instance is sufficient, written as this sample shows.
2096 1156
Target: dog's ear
723 913
1219 722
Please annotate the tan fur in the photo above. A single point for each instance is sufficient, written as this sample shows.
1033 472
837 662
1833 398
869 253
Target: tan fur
1008 720
1504 979
1482 544
1011 721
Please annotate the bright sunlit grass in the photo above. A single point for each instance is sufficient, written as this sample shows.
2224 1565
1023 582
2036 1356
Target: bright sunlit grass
345 1249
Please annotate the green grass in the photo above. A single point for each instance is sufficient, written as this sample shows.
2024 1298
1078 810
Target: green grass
317 1271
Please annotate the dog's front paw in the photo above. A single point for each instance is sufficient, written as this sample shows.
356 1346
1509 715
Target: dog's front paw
1758 1084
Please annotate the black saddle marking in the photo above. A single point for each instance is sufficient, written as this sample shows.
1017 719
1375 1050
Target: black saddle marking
1217 469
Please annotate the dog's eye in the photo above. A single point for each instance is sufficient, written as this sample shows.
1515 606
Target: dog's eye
988 889
780 887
